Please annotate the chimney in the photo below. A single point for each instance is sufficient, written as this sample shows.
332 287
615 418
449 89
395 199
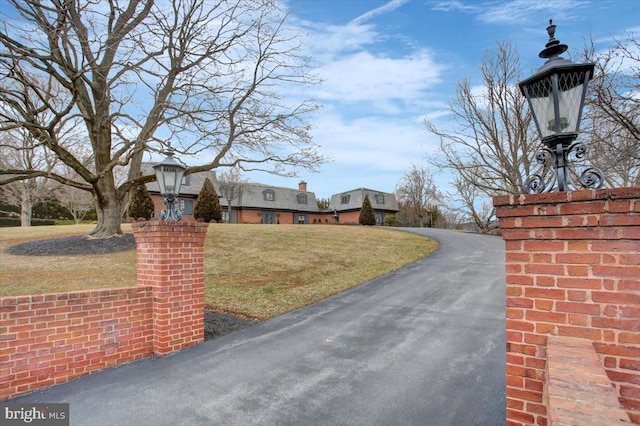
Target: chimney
302 186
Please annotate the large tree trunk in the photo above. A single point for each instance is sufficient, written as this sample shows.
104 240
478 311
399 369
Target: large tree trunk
25 209
108 208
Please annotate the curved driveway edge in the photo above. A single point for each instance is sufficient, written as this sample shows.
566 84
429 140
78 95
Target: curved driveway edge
424 345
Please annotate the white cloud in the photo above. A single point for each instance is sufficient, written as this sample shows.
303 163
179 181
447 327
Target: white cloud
386 8
368 77
447 6
384 144
325 42
514 12
520 11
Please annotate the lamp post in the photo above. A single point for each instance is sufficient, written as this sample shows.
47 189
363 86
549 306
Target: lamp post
556 95
169 174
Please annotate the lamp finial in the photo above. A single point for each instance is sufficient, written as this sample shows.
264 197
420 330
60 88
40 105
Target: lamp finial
553 48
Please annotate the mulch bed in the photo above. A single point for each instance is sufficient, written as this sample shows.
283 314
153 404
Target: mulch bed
215 324
74 246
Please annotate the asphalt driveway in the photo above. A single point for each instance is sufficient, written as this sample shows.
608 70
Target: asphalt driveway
421 346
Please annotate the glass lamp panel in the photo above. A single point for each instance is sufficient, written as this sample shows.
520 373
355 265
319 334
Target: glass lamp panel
179 173
571 86
160 179
170 179
540 96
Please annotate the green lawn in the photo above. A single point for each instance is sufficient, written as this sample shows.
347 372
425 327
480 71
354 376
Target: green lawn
256 271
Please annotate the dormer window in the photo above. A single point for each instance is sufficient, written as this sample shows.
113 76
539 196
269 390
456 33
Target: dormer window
345 199
380 198
302 198
185 180
269 195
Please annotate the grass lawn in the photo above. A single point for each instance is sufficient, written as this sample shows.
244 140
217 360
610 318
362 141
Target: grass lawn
255 271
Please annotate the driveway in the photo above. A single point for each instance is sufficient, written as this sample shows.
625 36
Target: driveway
421 346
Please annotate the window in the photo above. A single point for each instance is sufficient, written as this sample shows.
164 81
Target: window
380 198
186 206
379 218
269 195
302 198
345 199
185 180
301 219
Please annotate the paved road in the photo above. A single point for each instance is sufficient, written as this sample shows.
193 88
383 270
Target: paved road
420 346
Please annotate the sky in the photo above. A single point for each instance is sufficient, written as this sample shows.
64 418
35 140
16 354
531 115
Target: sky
386 65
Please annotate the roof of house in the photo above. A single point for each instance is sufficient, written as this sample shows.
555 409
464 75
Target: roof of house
259 196
256 195
352 200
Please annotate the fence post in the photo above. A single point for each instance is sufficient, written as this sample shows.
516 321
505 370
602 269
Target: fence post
572 269
170 259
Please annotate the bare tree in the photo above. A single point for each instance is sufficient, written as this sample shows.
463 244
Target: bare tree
76 201
417 194
474 206
18 150
230 187
612 114
489 144
208 77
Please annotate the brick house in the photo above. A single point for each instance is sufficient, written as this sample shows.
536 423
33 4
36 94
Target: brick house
264 204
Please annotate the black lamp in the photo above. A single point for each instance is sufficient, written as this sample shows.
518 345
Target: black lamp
169 174
556 95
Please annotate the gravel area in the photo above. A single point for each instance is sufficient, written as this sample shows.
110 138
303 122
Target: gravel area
215 324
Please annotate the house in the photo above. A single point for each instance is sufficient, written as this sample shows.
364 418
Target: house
347 205
258 203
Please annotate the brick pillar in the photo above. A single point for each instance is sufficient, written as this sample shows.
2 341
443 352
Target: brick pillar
572 269
170 259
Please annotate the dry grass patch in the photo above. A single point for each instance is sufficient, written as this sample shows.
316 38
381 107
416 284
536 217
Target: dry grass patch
264 271
50 274
256 271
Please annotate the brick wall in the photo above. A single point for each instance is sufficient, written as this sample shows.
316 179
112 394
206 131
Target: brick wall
170 259
572 269
52 338
577 390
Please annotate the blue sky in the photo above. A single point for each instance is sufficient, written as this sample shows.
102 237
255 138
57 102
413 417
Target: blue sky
388 64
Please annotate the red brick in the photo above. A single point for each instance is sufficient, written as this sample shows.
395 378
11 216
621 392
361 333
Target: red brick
580 332
591 207
629 338
519 416
545 293
544 269
577 295
544 305
578 234
514 313
542 316
519 325
519 302
630 391
514 279
516 404
580 308
615 246
630 364
578 319
615 271
525 395
620 298
543 246
545 281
